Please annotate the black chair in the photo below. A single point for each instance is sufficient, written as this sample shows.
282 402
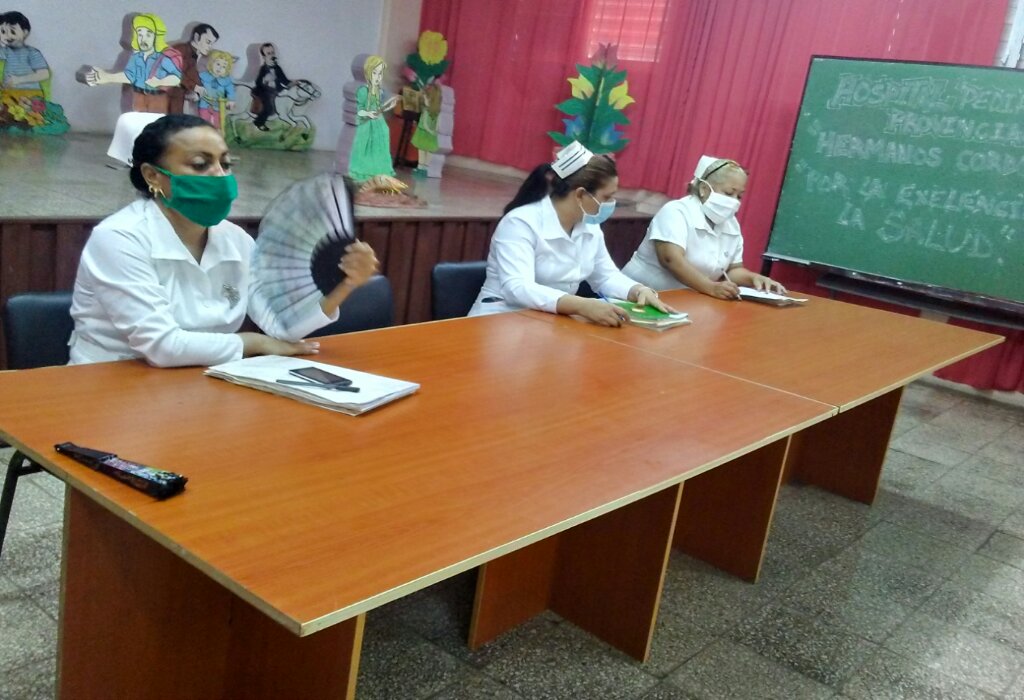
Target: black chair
37 327
367 307
454 286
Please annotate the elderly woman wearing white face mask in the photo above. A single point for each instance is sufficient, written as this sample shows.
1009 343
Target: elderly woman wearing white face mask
696 241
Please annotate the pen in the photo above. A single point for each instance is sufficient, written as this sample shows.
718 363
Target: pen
725 274
311 385
624 315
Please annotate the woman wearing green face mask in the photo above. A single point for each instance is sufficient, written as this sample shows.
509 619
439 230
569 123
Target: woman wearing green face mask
167 279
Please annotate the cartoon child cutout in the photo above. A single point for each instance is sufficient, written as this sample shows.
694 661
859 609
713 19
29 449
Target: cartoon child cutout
25 105
24 68
203 37
149 71
371 149
425 138
218 92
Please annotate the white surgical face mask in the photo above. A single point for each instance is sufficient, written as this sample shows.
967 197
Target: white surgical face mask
604 211
718 207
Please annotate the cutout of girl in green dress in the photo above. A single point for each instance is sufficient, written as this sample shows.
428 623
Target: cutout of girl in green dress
371 149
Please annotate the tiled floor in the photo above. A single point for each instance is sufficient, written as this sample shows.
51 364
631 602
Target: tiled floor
919 596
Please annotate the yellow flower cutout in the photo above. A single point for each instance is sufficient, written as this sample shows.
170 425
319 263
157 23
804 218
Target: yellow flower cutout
432 47
581 87
618 98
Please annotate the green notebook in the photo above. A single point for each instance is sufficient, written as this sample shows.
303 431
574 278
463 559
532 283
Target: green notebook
650 317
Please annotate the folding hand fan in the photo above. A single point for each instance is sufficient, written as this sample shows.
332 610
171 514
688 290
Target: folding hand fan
302 238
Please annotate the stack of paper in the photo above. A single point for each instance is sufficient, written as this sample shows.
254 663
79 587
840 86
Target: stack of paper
267 373
650 317
764 297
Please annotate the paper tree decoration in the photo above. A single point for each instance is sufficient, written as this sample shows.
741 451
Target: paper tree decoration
599 94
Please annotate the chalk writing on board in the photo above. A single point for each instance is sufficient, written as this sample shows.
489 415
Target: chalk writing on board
854 90
908 170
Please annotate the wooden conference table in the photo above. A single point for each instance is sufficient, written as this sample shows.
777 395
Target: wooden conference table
855 358
557 461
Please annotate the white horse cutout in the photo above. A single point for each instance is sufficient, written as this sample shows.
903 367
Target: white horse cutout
290 103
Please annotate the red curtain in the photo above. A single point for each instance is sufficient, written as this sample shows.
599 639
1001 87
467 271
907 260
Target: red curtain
726 79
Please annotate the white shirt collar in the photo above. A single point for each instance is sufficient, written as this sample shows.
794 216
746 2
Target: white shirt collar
167 245
551 228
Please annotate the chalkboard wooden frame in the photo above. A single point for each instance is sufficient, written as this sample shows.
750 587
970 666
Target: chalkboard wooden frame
954 302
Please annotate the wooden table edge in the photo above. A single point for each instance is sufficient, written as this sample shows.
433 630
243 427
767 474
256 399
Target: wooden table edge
472 562
995 340
304 628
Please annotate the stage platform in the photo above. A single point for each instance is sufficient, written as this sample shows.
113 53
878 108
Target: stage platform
54 190
71 178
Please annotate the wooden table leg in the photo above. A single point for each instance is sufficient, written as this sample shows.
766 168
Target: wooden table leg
604 575
845 453
725 513
139 622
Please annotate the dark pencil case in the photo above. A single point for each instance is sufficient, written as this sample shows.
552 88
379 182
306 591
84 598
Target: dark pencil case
155 482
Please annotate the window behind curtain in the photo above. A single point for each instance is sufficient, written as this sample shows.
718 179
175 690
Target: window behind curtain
635 25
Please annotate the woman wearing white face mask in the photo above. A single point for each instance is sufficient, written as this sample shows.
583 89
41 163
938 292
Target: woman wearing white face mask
696 241
550 240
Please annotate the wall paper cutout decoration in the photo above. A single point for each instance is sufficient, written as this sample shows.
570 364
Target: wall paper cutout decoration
216 96
195 56
25 105
424 70
599 94
153 67
364 145
371 146
271 111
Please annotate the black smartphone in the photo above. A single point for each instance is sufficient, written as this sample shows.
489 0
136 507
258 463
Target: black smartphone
315 374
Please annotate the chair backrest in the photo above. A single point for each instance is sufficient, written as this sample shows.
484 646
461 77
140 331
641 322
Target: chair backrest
37 327
454 286
367 307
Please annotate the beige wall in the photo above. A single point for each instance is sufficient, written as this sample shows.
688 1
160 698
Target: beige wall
400 27
316 40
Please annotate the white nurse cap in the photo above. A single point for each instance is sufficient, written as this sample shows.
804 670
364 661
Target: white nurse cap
703 164
570 159
129 126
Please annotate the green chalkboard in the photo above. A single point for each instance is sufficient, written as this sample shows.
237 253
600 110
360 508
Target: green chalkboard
908 171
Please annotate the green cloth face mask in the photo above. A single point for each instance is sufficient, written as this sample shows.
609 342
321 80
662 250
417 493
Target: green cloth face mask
202 199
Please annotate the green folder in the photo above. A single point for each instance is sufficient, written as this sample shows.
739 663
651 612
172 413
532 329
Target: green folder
645 312
650 317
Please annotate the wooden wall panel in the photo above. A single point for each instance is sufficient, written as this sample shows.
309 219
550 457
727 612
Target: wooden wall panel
43 255
425 253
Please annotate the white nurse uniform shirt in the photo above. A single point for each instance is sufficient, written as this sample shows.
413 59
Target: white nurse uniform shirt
712 250
533 262
139 293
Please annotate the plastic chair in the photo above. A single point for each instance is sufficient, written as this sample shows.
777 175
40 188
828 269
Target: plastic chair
454 286
37 327
367 307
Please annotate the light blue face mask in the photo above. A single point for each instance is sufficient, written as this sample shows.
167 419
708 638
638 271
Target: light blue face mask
604 211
